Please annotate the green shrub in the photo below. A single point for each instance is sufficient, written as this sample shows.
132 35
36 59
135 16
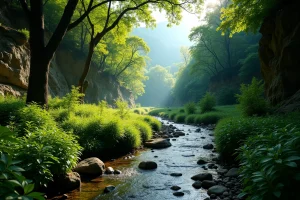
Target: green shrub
72 99
180 118
251 100
137 111
9 107
25 32
181 110
122 107
209 118
131 138
190 108
190 119
145 130
102 105
32 117
173 115
270 165
207 103
154 123
231 133
12 184
46 152
55 103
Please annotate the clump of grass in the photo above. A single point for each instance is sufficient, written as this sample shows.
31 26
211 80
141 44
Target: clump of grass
207 103
190 108
9 107
154 123
190 119
145 130
209 118
180 118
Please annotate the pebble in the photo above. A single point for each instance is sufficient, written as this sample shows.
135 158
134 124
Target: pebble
178 194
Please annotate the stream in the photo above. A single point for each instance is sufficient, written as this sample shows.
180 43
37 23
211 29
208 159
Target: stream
134 183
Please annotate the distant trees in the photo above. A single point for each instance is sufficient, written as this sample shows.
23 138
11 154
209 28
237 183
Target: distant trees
158 87
113 11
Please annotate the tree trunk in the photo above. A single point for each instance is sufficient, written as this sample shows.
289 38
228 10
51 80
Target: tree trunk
87 65
39 66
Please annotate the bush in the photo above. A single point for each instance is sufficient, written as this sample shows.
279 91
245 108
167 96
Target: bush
180 118
102 105
190 108
145 130
207 103
46 152
9 107
270 165
131 138
72 99
172 115
154 123
190 119
231 133
251 99
32 117
209 118
122 107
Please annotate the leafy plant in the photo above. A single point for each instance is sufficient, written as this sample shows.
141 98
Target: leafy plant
190 108
207 103
102 105
12 184
251 100
270 165
122 107
25 32
72 99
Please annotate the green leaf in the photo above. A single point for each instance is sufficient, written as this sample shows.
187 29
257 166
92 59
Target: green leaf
277 194
16 168
28 188
292 158
4 158
36 195
291 164
15 183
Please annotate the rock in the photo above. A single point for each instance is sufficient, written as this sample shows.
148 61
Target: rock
198 130
208 146
148 165
207 184
197 184
222 171
201 162
173 139
176 174
178 133
217 190
92 166
175 187
158 143
210 166
66 183
213 196
233 172
155 156
109 170
202 137
109 188
178 194
202 177
117 172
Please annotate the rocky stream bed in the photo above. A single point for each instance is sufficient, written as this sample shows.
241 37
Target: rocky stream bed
187 168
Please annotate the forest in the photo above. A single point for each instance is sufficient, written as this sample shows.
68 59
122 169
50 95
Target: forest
121 99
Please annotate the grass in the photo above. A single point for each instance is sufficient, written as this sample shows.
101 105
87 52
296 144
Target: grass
179 115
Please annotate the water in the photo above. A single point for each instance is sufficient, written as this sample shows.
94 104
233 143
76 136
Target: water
138 184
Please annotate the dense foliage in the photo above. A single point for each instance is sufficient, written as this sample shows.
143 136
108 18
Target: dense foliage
207 103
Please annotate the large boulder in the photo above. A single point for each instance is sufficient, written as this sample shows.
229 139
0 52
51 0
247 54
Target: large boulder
158 143
66 183
233 172
90 166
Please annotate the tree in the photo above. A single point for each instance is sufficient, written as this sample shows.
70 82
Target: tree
246 15
42 54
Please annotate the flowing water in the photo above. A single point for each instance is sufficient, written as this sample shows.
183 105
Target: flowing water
138 184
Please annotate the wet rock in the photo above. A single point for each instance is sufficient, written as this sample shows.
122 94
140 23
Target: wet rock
178 133
66 183
109 170
222 171
91 166
208 146
178 194
197 184
176 174
202 137
175 187
207 184
173 139
213 196
217 189
202 177
201 162
158 143
109 188
148 165
155 156
117 172
210 166
233 172
198 130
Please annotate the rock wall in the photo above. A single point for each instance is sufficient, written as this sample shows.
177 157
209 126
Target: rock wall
65 69
279 52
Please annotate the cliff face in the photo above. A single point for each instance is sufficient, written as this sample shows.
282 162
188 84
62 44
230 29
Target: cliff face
279 53
65 69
